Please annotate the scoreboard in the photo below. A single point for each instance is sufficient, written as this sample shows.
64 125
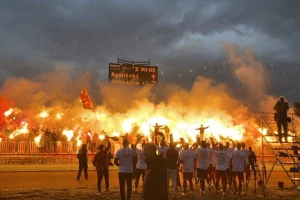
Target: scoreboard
133 74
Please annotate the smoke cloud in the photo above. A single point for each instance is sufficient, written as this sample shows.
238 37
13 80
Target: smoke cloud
121 108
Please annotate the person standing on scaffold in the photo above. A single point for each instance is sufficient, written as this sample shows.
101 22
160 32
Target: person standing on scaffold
281 107
157 129
202 129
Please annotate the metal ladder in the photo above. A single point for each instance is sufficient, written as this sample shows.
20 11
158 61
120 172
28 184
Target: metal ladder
286 153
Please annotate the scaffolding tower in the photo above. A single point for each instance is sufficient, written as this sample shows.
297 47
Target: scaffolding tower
285 153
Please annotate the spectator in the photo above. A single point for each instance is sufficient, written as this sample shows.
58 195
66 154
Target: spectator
238 162
123 160
141 166
187 158
82 158
281 107
94 141
202 165
101 163
220 159
252 161
172 168
155 184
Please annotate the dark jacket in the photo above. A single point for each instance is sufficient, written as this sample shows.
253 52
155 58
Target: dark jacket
172 158
281 108
101 158
82 156
155 183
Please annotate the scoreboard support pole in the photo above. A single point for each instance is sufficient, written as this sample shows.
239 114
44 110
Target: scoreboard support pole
143 63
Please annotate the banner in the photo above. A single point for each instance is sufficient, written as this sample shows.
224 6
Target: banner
86 101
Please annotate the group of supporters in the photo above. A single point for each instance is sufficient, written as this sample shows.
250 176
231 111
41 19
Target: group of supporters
159 164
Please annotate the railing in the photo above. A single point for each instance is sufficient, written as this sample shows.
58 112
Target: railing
33 147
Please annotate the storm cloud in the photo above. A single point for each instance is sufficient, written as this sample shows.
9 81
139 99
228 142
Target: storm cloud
186 39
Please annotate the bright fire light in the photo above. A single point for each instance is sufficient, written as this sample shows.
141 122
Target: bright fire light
69 134
37 139
9 112
44 114
116 134
264 131
59 115
23 130
127 125
101 137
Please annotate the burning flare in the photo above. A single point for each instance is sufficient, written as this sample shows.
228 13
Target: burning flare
9 112
23 130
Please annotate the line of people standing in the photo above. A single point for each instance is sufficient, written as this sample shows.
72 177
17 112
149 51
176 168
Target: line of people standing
159 164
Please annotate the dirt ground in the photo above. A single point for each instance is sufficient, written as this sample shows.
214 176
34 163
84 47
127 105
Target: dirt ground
62 185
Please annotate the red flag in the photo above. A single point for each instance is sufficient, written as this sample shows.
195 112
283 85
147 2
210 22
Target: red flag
86 101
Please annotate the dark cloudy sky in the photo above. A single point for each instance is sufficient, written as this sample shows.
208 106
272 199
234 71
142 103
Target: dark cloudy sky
185 38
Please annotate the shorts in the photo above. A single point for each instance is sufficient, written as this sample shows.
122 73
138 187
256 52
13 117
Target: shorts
188 176
240 175
221 174
209 169
229 172
247 169
201 173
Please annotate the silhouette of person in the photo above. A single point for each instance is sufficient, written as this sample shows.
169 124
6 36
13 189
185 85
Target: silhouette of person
155 183
202 129
157 128
83 162
101 163
281 107
252 161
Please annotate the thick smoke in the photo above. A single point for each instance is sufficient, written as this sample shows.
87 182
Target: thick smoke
252 75
205 103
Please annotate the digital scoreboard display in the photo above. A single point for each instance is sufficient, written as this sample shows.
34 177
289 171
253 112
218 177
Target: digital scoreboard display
132 74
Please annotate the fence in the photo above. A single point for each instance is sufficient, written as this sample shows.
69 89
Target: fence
33 147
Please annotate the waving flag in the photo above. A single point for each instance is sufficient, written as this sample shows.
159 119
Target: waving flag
86 101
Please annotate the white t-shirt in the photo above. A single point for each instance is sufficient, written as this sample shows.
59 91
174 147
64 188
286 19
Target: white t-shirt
220 158
187 157
125 156
229 151
246 151
162 150
238 158
141 159
202 158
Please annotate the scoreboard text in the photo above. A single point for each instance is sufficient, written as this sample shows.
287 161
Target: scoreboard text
132 74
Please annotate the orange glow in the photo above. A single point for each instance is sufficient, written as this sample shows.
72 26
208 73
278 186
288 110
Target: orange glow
9 112
68 133
101 137
264 131
44 114
37 139
59 115
22 130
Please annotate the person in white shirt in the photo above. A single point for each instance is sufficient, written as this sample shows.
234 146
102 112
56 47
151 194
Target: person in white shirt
194 148
247 167
123 160
229 170
187 158
212 167
141 166
202 165
238 161
220 160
